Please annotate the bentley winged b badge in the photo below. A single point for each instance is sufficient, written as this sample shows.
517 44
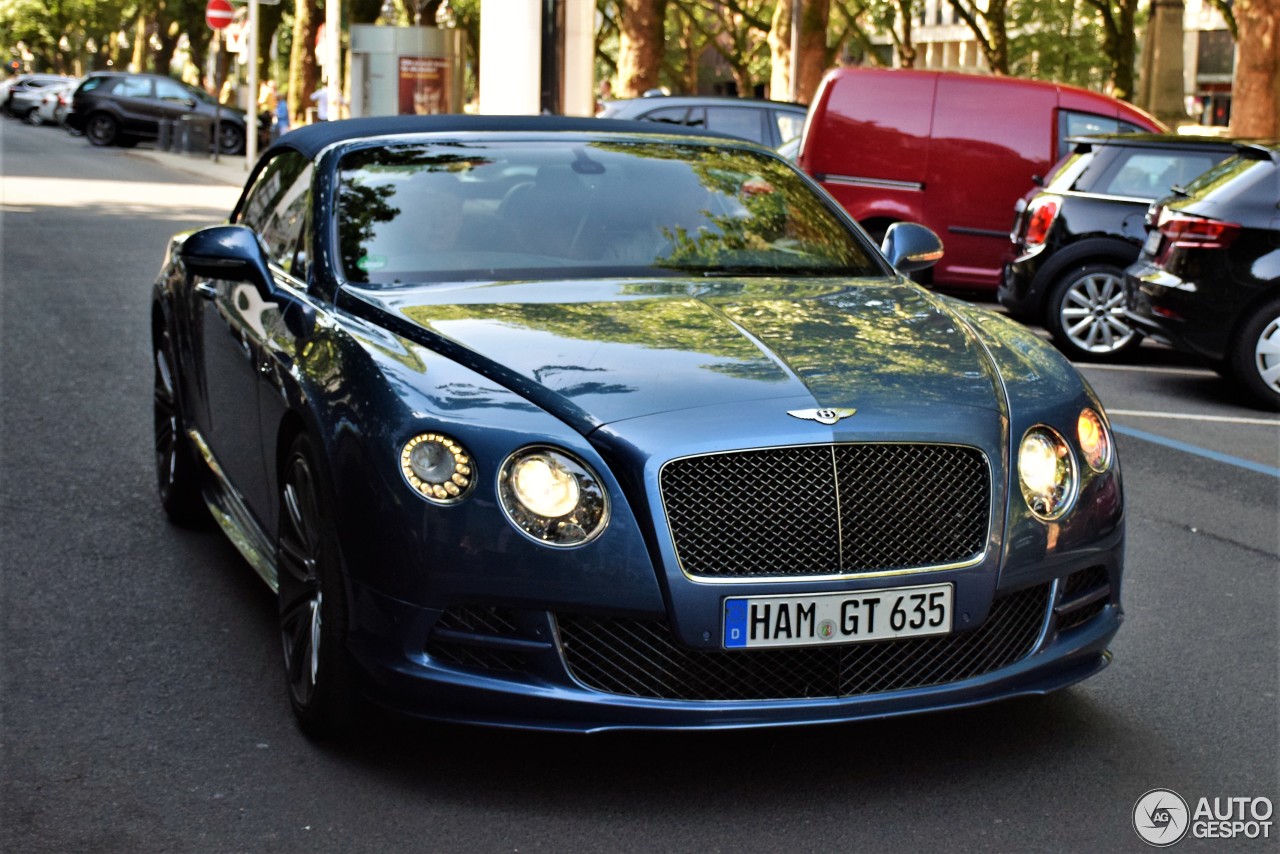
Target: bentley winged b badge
822 416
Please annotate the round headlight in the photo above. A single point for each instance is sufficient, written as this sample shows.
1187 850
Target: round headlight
552 497
1046 472
1095 440
437 467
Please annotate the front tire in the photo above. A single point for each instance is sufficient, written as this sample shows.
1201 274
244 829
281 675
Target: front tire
102 130
1255 356
313 603
177 471
1085 314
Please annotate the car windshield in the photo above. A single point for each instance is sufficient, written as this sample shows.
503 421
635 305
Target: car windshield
418 213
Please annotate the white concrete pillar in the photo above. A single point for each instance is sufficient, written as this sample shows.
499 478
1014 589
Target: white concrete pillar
510 44
579 58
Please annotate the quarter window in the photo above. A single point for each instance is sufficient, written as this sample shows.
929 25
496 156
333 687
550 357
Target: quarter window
736 121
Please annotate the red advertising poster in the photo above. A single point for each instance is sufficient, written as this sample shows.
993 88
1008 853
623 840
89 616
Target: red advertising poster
424 85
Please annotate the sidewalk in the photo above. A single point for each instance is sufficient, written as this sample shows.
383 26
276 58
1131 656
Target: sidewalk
228 170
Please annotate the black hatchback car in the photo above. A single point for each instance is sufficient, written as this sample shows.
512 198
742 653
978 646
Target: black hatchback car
1074 237
1208 279
116 108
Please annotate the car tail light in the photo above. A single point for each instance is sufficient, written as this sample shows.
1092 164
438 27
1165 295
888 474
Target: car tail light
1196 232
1039 218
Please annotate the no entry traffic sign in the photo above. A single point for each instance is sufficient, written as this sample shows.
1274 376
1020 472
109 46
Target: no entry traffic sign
218 13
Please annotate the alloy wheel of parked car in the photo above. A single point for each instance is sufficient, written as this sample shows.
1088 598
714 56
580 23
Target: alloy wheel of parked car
230 139
1255 358
102 129
313 611
1085 314
176 471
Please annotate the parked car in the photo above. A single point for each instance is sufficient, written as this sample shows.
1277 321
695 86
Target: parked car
118 108
770 123
952 151
550 423
1074 237
23 94
1208 278
53 106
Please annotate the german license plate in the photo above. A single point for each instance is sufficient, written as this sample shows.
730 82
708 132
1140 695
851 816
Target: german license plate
836 618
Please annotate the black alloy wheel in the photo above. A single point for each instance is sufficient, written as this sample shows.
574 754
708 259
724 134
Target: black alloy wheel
177 472
230 139
1085 314
102 129
313 602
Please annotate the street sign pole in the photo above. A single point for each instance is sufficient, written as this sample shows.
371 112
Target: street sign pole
217 14
251 126
333 34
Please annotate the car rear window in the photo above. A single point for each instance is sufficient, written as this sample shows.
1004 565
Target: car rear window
1144 173
447 212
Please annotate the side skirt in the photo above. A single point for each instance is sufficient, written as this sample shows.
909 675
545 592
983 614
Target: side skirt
233 517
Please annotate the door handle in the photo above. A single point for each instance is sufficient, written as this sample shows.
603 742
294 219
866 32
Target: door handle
206 290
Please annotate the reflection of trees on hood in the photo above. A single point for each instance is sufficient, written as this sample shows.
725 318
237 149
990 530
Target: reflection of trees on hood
826 331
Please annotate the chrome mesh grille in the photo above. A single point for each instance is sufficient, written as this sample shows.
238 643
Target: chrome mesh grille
641 658
827 509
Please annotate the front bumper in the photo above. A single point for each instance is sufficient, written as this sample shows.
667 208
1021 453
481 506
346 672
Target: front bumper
547 670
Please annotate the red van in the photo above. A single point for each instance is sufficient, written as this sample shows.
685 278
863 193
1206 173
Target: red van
952 151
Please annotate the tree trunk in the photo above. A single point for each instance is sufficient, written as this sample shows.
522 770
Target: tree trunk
1255 97
304 72
815 15
780 52
139 61
1126 49
640 45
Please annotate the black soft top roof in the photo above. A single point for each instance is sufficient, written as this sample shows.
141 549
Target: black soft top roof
312 139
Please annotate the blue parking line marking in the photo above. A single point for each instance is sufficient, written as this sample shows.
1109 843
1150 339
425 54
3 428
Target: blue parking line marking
1272 471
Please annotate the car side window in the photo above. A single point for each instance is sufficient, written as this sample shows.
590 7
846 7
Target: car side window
1072 123
171 90
667 115
736 121
133 87
276 208
789 125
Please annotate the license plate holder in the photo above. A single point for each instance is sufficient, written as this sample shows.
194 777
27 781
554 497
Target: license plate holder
821 619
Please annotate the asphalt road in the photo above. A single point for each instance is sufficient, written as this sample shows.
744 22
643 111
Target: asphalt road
143 709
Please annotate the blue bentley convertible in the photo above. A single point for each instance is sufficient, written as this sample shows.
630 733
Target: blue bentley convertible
578 424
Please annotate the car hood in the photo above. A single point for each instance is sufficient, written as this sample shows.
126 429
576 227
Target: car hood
597 352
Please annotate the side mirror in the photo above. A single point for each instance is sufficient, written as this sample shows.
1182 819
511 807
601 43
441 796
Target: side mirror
911 247
231 252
